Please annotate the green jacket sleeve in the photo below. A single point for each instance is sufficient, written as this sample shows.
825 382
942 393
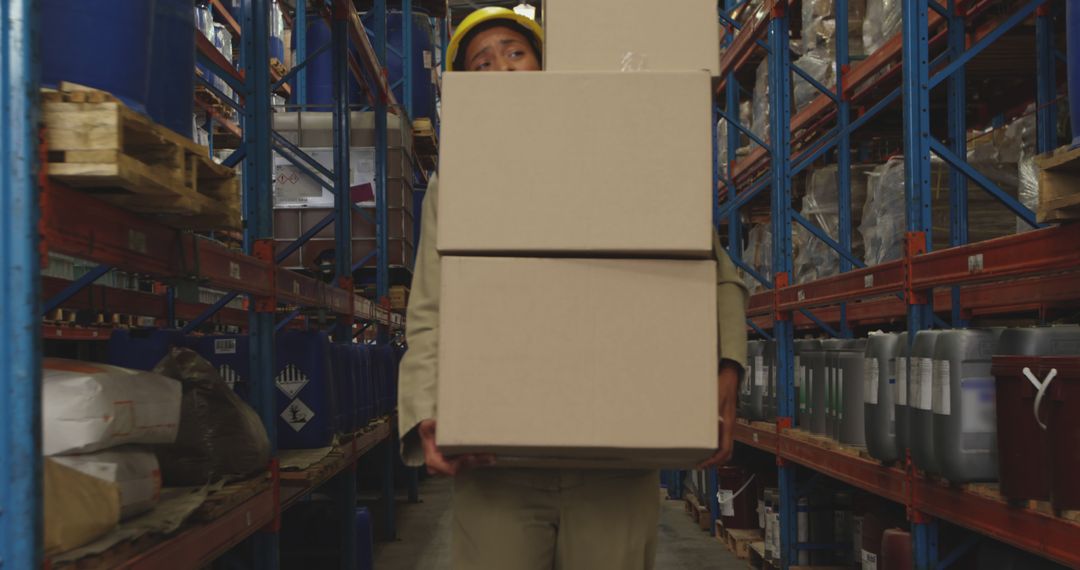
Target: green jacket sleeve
731 303
418 375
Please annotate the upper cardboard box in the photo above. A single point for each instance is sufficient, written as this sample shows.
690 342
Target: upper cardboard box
631 35
568 362
576 163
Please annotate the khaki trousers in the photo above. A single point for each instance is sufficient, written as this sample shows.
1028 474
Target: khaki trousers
536 519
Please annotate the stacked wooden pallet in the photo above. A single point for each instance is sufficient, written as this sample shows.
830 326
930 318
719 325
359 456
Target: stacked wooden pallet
1059 185
99 145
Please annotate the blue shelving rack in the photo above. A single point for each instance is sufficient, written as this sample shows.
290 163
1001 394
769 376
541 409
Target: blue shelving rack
936 43
80 226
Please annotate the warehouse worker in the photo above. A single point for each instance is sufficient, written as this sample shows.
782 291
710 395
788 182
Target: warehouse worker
509 519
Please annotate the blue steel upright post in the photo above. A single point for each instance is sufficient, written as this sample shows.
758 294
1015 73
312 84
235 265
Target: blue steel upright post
1045 81
843 149
957 122
780 141
299 35
916 94
382 249
258 217
21 543
343 256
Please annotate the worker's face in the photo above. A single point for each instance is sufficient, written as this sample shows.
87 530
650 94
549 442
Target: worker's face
500 49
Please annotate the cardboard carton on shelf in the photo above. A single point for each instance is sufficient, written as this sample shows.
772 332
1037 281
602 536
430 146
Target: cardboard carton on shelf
631 35
572 372
576 163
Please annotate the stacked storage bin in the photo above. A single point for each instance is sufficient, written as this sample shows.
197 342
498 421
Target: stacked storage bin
306 396
554 246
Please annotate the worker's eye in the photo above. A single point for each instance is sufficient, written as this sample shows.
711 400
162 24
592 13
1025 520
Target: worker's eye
483 65
517 54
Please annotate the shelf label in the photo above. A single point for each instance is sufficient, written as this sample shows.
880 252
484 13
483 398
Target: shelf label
941 380
870 381
234 270
869 560
230 376
975 263
801 295
900 395
868 281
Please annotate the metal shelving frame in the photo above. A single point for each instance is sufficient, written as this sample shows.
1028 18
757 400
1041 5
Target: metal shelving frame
1024 272
40 215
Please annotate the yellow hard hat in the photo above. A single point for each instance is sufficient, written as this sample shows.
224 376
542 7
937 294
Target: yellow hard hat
490 14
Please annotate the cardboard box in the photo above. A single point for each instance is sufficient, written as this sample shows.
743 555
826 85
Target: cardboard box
554 362
631 35
576 163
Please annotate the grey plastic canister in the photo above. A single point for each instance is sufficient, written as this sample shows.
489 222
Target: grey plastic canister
832 347
770 380
900 394
804 348
920 401
878 396
752 396
849 382
965 431
813 367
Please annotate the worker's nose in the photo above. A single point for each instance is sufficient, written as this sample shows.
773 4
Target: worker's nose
506 65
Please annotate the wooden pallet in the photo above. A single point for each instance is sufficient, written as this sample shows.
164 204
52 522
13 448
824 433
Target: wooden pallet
1059 185
425 142
278 67
212 101
99 145
399 297
738 541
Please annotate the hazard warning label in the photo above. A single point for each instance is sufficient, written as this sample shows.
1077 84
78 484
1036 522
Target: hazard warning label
230 376
291 380
297 415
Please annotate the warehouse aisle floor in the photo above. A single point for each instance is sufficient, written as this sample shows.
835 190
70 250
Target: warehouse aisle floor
424 533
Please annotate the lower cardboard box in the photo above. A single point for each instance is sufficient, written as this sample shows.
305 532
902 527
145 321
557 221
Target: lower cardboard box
576 368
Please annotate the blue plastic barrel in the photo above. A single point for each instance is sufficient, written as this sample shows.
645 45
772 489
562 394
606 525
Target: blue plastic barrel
365 388
230 356
423 91
1072 35
365 548
345 387
172 82
306 403
141 349
320 71
104 44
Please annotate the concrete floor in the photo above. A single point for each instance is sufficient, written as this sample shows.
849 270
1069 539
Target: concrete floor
424 537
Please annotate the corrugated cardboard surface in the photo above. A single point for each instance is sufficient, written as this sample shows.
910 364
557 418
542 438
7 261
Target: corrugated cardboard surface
631 35
589 163
578 361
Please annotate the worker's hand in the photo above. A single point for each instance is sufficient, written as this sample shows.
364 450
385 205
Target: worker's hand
729 385
437 463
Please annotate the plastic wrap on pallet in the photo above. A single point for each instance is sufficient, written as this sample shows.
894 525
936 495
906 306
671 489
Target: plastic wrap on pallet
814 258
721 146
882 21
819 65
760 103
1027 172
758 255
819 27
883 219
